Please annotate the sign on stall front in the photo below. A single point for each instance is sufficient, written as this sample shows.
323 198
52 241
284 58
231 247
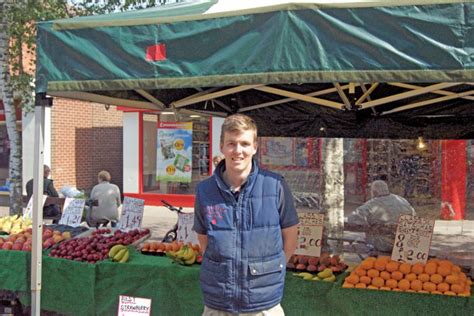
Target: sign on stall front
413 239
72 212
29 208
132 214
133 306
310 234
185 231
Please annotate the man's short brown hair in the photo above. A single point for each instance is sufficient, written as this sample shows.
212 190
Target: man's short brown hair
104 176
238 123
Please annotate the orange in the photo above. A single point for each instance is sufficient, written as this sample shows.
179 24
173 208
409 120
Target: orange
391 283
451 279
380 264
436 292
436 278
456 288
405 268
367 263
347 285
445 263
444 270
397 275
404 284
360 272
352 278
417 268
410 291
423 291
456 268
449 293
411 276
384 288
372 287
428 286
392 266
430 268
378 282
365 279
384 258
434 260
416 285
443 287
397 290
424 277
385 275
373 273
360 286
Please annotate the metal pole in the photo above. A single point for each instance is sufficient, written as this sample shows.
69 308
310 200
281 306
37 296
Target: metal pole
38 174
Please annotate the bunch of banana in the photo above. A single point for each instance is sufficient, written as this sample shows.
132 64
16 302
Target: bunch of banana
186 255
326 275
14 224
119 253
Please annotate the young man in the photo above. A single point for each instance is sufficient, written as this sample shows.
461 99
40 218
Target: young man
246 224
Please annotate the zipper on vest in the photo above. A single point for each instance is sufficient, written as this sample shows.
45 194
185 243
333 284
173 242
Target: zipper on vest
238 248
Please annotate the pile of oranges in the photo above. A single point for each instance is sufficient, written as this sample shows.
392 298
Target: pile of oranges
435 277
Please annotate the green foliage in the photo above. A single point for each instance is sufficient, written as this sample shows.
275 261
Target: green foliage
21 20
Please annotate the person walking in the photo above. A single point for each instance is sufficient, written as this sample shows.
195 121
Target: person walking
247 227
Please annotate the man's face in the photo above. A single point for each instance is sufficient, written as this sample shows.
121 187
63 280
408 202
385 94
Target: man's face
238 149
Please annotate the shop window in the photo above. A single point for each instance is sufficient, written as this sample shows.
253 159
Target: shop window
170 166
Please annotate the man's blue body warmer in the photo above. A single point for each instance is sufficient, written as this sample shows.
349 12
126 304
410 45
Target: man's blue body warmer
243 269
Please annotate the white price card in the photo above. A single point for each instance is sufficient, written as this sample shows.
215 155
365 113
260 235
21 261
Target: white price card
132 214
310 234
29 208
186 232
413 239
72 212
133 306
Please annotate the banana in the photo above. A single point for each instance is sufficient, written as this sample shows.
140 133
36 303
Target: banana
332 278
171 254
191 260
125 257
188 254
181 252
120 254
316 278
304 275
326 273
308 277
115 249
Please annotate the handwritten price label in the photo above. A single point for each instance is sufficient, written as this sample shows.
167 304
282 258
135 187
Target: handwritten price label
185 231
132 214
72 212
310 234
413 239
133 306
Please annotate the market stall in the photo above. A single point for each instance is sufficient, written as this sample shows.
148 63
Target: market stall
380 69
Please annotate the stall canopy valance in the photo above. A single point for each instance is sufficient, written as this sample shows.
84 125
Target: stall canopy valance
308 68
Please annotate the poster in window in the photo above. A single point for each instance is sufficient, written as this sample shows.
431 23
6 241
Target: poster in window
277 151
174 151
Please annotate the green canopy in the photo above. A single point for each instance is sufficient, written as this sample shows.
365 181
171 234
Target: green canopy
336 54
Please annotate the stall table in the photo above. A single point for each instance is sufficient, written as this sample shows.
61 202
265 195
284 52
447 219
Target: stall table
77 288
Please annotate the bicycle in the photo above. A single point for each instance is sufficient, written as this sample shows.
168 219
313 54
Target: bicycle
172 234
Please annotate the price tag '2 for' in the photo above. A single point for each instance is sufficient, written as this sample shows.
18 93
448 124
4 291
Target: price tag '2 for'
72 213
413 239
310 234
132 214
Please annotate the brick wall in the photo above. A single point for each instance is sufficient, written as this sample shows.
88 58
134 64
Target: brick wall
85 139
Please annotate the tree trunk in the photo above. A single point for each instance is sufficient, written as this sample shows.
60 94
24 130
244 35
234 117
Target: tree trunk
6 93
333 189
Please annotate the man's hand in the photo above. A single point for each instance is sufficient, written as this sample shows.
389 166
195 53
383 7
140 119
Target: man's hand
202 242
290 235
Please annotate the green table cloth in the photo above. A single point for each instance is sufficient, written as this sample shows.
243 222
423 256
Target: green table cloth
77 288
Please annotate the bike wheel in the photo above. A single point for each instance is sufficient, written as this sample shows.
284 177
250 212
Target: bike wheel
170 236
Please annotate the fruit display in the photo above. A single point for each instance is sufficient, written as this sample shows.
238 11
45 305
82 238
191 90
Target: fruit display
302 263
435 277
23 240
96 246
326 275
119 253
14 224
185 254
75 231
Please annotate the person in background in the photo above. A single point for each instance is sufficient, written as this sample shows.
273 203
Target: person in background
216 159
247 227
108 197
49 210
383 209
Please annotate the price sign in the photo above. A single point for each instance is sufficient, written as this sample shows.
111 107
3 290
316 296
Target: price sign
134 306
186 232
72 212
132 214
310 234
29 208
413 239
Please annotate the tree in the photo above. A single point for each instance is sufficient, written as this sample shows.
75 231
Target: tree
17 40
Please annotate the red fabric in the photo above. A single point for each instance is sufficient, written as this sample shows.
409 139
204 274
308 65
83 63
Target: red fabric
453 179
156 52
